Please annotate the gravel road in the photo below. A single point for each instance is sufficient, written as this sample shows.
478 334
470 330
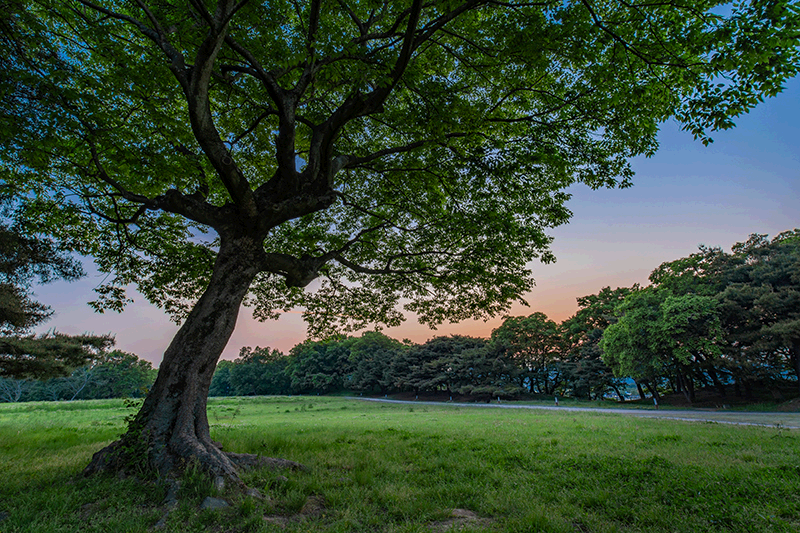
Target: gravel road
739 418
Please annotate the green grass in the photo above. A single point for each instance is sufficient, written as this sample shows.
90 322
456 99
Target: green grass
399 468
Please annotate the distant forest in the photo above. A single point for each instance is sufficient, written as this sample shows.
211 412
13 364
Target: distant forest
722 322
726 324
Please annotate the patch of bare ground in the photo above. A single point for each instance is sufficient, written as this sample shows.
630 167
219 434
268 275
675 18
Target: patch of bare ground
314 506
792 406
458 520
709 398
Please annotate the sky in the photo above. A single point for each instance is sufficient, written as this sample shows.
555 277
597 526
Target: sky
747 181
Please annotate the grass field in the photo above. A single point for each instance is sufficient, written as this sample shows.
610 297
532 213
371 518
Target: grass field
400 468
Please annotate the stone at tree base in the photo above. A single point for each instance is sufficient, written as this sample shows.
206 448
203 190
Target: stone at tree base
464 513
279 521
314 506
254 493
460 519
213 503
171 499
161 524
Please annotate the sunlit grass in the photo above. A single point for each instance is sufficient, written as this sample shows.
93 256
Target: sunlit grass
400 468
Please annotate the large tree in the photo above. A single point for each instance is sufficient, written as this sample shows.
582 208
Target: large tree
584 367
536 346
761 307
215 152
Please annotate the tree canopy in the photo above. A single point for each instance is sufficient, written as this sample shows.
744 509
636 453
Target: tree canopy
418 141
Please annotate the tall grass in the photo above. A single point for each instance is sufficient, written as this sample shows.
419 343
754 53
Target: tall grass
394 468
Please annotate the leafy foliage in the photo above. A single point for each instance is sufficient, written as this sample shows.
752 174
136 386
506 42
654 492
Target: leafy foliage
23 260
394 151
116 374
727 316
535 343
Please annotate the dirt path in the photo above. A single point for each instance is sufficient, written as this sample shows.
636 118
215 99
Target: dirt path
739 418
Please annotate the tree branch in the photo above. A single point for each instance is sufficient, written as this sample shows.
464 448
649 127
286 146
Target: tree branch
178 65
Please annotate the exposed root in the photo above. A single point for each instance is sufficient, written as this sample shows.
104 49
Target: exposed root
117 458
106 460
248 460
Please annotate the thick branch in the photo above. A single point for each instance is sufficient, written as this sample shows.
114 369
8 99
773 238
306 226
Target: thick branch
173 201
195 84
298 272
201 119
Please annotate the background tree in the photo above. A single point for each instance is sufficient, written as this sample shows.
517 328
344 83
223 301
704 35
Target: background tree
320 366
753 289
221 382
584 370
258 372
693 337
11 390
636 344
371 356
24 260
762 306
120 375
436 365
535 344
487 371
213 151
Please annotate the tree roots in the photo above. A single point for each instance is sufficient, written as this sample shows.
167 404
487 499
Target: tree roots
121 459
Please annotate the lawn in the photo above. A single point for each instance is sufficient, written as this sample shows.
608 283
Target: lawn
400 468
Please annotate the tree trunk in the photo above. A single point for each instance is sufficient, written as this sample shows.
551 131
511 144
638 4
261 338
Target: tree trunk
700 375
748 390
619 394
796 359
640 390
653 390
690 386
685 376
715 379
171 429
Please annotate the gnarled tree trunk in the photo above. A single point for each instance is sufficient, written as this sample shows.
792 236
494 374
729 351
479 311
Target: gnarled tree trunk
172 429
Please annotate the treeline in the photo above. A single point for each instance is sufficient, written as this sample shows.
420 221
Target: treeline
714 320
727 322
526 355
116 374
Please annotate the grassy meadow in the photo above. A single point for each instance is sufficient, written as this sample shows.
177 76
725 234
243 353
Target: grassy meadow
400 468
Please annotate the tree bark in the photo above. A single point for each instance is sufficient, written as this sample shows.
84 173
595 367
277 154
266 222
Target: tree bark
653 390
640 390
619 394
171 429
796 359
685 378
715 379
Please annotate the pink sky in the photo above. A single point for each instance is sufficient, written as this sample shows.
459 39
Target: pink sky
748 181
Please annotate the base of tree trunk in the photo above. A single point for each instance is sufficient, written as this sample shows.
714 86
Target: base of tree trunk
121 458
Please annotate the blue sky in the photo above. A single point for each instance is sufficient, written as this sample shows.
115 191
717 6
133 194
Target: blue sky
747 181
